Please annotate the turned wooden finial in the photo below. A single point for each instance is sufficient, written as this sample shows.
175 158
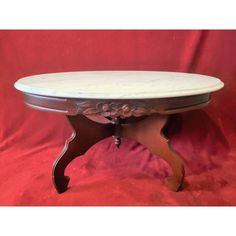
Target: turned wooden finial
117 131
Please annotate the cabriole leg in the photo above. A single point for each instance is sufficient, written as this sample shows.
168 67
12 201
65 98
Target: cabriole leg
149 133
85 134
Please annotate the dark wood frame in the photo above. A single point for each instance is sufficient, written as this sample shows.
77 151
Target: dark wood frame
95 119
122 108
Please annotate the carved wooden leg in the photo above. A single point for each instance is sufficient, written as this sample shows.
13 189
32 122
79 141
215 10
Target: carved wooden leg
85 134
149 133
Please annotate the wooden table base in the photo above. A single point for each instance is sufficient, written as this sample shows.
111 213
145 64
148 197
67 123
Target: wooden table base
148 131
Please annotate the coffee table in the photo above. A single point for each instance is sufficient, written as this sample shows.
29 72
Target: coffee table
133 104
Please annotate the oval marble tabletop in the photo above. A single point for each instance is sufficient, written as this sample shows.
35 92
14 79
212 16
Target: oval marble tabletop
118 84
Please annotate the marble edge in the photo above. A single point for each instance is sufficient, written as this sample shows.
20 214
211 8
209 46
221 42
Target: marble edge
104 71
26 89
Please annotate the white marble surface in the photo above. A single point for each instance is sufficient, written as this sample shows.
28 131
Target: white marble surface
118 84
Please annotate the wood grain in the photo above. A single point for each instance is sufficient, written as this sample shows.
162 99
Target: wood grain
147 131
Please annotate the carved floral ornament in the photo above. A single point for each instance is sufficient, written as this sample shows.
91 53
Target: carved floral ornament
115 108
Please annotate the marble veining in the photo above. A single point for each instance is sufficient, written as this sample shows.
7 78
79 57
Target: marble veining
118 84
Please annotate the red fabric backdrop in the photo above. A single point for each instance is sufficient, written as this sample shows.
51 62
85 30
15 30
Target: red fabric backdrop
30 140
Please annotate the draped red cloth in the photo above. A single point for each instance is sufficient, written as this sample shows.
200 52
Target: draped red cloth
30 140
